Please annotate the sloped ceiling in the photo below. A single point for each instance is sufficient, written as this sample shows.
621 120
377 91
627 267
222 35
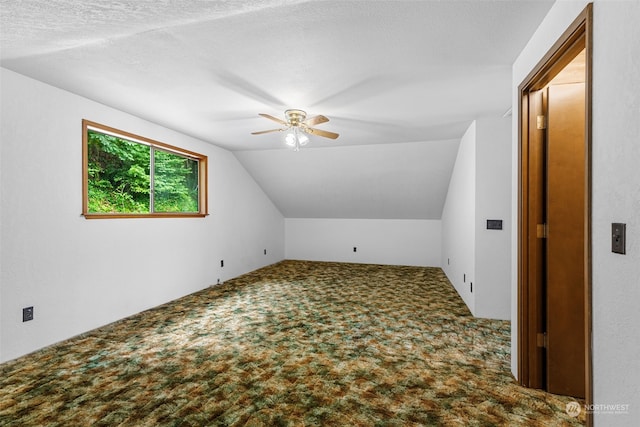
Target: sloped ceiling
409 76
395 181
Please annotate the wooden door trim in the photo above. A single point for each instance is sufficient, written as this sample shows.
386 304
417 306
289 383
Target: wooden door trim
577 36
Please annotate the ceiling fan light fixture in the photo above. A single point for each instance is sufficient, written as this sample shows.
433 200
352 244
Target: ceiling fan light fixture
290 139
295 138
302 139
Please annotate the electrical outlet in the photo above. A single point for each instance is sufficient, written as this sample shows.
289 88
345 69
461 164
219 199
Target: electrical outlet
221 263
464 278
355 249
265 251
27 314
471 286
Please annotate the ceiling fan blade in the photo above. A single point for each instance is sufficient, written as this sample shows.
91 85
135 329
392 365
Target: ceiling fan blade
275 119
315 120
266 131
324 133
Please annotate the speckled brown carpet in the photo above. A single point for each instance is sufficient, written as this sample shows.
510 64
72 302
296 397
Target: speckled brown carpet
293 344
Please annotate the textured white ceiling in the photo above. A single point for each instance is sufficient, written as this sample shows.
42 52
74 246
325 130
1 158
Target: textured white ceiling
384 72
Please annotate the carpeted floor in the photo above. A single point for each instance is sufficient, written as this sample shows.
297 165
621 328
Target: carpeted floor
296 343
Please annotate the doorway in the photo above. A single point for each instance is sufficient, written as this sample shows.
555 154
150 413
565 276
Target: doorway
554 254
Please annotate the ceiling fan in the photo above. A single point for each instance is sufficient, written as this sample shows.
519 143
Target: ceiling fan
297 124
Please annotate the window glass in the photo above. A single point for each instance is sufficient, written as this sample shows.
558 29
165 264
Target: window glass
175 183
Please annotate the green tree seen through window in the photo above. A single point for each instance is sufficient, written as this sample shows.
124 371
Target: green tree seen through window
175 186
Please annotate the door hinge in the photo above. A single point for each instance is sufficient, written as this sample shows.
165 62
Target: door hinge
541 122
542 231
541 339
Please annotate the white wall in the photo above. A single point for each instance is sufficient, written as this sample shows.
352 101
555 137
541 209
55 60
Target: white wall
477 260
492 285
1 239
615 194
378 241
458 220
80 274
616 198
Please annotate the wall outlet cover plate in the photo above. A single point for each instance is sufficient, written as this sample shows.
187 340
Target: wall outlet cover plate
27 314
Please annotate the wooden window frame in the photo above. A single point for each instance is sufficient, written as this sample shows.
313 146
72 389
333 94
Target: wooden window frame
202 174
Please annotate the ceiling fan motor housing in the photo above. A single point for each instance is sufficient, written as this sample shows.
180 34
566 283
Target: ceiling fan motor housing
295 117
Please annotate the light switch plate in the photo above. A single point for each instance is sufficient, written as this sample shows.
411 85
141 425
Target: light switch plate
618 238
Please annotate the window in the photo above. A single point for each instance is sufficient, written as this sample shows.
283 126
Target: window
129 176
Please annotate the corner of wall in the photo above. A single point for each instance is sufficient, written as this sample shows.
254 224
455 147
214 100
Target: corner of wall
458 220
